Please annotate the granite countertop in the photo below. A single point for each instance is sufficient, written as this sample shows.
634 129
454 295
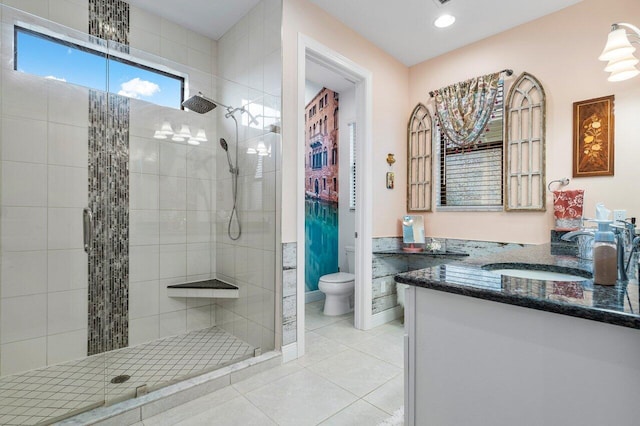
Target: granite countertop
422 253
618 305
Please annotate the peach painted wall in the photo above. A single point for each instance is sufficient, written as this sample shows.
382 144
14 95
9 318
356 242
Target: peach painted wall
561 50
390 103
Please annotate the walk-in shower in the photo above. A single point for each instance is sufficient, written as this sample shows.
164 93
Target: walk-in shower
202 105
75 324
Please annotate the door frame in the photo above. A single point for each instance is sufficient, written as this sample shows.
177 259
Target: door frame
362 78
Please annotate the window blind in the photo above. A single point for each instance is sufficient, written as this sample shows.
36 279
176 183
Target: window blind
473 177
352 162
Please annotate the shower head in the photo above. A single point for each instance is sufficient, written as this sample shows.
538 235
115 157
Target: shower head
223 144
199 103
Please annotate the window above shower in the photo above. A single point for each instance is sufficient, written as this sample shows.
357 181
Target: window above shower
47 56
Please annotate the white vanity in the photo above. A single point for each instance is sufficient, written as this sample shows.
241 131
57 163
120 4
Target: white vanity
486 349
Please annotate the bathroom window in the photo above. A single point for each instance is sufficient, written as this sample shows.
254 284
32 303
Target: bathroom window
46 56
352 169
472 178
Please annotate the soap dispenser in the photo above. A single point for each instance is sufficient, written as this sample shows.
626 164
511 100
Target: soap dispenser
605 266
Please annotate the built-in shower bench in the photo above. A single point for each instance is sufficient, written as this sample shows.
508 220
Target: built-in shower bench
208 288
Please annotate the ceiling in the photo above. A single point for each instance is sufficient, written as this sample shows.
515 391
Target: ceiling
405 30
211 18
402 28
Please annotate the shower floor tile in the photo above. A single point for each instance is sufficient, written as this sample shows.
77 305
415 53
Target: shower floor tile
57 391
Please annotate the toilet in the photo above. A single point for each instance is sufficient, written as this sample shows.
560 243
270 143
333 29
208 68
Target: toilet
338 288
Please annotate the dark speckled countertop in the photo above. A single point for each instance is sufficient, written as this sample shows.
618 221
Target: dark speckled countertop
618 305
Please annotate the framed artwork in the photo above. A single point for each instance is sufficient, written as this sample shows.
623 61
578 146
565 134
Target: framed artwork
593 127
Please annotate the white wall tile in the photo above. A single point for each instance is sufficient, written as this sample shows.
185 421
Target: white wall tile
23 356
173 227
66 346
23 318
67 145
173 323
198 259
144 263
68 186
198 60
143 330
144 155
24 184
68 104
173 32
139 18
23 273
199 42
173 193
173 260
173 158
144 227
144 298
142 39
67 270
171 304
198 318
173 51
145 191
200 161
67 311
198 226
198 194
24 140
70 15
65 228
24 95
24 228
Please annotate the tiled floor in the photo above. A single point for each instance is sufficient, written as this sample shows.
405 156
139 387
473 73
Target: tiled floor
48 393
347 377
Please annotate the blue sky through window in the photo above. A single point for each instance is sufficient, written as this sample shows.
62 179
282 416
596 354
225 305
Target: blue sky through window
50 58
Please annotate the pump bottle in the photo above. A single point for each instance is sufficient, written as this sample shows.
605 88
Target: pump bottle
605 266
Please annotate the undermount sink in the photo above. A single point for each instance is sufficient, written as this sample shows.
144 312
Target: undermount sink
553 273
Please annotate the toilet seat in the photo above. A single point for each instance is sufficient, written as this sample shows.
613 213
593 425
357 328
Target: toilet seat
338 277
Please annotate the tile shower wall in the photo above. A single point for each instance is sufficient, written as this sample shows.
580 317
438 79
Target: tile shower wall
44 134
289 293
249 53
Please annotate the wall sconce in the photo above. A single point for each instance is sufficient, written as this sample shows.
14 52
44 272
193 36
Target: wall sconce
390 159
619 52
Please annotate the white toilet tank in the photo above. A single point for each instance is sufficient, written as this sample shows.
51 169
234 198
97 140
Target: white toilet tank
351 258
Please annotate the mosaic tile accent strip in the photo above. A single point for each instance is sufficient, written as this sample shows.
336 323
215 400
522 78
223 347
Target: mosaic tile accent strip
59 391
109 20
289 292
109 203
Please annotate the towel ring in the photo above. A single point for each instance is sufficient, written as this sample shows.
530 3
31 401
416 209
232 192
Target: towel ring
562 182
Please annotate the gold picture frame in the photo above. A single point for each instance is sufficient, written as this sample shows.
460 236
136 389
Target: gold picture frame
593 130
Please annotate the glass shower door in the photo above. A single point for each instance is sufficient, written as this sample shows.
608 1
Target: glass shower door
47 221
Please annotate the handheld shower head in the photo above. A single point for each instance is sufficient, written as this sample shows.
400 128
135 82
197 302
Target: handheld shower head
223 144
199 103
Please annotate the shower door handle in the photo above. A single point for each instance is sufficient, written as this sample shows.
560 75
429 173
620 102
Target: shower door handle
87 228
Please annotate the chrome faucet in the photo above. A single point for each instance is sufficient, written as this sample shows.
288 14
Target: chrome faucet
620 237
584 239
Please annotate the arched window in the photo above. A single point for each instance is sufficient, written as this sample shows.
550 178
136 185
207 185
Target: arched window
325 124
335 119
324 156
419 166
525 144
334 154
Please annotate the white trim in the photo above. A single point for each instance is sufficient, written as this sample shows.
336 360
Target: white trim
310 48
289 352
386 316
313 296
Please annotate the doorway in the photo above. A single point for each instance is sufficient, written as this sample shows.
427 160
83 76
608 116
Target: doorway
310 51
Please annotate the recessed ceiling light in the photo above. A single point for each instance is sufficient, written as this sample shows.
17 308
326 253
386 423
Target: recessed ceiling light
444 21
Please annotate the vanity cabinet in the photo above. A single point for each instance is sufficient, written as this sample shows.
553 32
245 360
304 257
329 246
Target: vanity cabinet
470 361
